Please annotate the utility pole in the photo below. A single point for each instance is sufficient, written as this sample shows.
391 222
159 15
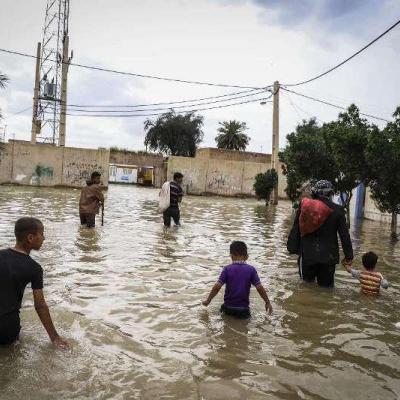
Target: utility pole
64 80
275 137
36 124
48 122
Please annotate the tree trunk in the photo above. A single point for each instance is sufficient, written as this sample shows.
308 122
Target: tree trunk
346 205
393 226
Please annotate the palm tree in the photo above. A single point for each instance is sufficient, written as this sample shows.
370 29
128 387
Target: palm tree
231 135
3 81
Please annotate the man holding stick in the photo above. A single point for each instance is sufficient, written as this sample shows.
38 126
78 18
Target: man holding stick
91 200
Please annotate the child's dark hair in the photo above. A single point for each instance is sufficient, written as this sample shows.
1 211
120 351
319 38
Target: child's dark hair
95 174
27 226
369 260
238 249
177 175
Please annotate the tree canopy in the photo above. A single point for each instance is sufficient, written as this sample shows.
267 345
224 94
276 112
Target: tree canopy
306 157
174 134
231 135
334 151
383 155
265 183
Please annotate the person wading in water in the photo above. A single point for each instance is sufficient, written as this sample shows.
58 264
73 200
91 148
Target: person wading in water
170 197
314 236
91 200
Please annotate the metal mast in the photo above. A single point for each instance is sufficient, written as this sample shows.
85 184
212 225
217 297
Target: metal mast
49 103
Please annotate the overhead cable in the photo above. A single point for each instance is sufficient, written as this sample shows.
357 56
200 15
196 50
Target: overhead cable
18 112
165 108
171 109
167 102
346 60
333 105
114 71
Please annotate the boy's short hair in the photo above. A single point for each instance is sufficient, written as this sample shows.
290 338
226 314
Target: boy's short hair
369 260
26 226
177 175
95 174
238 248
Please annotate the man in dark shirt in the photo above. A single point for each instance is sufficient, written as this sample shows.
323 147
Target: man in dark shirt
17 269
176 194
314 236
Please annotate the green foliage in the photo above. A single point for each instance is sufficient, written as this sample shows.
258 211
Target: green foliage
174 134
306 157
231 136
347 139
265 183
334 151
383 155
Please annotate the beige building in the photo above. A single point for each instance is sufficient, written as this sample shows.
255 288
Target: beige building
29 164
222 172
144 163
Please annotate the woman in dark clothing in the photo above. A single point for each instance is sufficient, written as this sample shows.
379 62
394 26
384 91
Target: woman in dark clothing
314 236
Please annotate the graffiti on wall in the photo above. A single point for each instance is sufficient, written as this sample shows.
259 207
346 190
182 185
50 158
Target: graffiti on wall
41 173
223 183
77 173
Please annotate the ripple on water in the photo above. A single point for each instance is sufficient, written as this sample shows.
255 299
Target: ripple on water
128 297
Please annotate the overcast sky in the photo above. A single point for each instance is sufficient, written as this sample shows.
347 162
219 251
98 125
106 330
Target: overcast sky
239 42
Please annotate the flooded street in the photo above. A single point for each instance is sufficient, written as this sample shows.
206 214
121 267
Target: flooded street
128 296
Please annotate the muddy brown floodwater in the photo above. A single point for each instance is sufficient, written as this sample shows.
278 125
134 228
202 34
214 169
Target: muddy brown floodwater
127 295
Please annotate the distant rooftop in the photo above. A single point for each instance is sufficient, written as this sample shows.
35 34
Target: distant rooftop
213 153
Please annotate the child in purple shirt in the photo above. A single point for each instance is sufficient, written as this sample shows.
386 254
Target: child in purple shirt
238 277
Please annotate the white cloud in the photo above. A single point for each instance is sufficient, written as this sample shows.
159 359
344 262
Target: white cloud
235 42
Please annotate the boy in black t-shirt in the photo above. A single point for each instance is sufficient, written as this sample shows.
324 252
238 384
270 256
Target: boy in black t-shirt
17 269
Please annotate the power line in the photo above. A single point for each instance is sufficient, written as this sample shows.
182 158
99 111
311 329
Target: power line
156 114
332 105
166 108
347 59
297 108
166 102
19 112
114 71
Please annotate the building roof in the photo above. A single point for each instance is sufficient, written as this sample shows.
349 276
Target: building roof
124 166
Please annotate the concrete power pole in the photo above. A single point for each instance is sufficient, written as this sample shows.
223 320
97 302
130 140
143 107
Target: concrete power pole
275 137
64 80
36 124
50 123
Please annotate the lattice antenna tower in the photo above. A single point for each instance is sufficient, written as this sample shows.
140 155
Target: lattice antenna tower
49 105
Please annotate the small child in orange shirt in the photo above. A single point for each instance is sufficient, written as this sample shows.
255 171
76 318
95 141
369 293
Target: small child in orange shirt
371 281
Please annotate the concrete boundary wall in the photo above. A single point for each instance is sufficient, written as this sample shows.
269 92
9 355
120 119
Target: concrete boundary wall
371 212
29 164
221 177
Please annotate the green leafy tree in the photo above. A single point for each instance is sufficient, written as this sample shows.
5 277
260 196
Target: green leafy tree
306 158
334 151
265 183
383 155
231 135
346 140
174 134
